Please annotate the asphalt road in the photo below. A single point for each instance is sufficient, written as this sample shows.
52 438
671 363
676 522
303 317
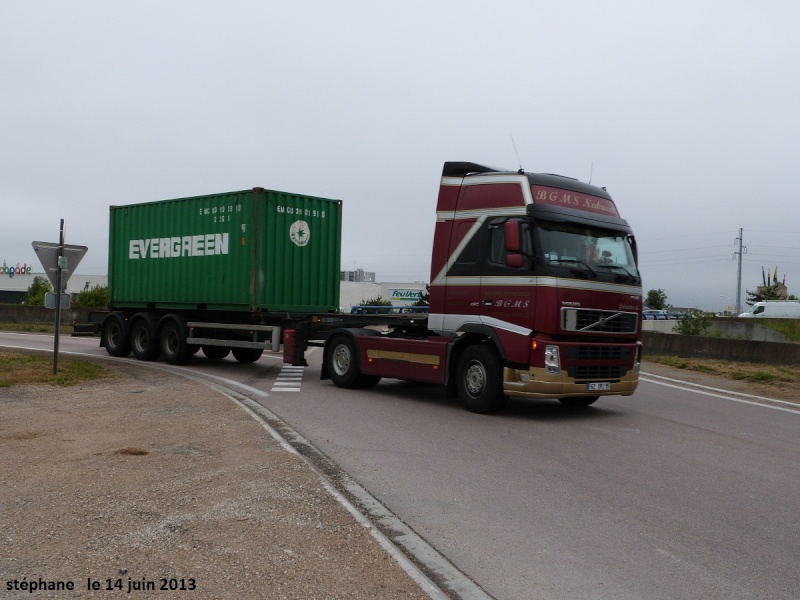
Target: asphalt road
669 493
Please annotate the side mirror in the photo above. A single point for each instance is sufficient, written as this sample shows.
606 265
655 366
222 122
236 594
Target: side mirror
514 260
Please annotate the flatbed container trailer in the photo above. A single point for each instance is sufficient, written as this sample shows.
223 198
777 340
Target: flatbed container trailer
535 293
223 272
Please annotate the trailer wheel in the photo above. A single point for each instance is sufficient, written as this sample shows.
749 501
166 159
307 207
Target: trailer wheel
216 352
144 343
115 340
480 380
580 402
342 363
247 355
174 348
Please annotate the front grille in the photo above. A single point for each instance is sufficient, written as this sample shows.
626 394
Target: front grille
599 321
601 373
598 353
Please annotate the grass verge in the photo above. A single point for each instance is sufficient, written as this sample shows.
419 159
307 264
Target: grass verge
65 328
32 369
739 371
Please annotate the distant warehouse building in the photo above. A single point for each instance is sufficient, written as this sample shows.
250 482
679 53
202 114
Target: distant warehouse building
358 276
15 282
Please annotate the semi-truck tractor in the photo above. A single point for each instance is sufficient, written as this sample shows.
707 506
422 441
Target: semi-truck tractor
534 289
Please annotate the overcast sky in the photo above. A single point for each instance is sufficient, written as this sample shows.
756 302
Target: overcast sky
687 111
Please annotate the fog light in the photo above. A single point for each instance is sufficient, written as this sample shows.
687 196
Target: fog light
552 362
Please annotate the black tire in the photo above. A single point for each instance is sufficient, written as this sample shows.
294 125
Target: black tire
174 348
343 367
216 352
479 380
144 342
580 402
115 340
247 355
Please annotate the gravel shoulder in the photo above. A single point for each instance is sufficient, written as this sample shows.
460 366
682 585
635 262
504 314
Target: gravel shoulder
149 479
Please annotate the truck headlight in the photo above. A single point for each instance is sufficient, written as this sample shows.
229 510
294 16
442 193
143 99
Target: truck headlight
552 361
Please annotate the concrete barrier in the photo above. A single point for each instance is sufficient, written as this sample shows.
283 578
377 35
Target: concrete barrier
729 328
691 346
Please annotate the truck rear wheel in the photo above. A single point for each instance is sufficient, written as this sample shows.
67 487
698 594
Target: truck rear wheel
342 363
216 352
247 355
174 348
480 380
115 340
144 343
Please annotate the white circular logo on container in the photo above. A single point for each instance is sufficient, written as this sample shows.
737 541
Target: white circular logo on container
299 233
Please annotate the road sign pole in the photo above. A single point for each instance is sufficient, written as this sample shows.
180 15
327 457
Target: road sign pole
58 298
59 262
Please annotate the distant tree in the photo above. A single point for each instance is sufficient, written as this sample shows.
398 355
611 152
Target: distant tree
769 292
656 299
36 292
97 297
376 301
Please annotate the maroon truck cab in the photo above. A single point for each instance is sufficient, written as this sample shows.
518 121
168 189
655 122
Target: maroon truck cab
535 293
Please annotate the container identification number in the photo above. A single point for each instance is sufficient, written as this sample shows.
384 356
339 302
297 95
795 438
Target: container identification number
221 214
303 212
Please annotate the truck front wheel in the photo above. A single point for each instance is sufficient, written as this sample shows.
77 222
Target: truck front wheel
480 380
342 363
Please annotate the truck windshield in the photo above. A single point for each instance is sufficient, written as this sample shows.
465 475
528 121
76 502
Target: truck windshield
590 250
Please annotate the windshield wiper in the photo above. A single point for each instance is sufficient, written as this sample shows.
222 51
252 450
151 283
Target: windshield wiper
573 264
628 274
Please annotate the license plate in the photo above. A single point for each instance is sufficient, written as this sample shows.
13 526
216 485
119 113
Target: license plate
603 386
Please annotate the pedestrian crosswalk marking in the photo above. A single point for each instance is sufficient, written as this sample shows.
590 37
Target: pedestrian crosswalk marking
289 379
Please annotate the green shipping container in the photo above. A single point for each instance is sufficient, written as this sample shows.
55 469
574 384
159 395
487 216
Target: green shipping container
255 250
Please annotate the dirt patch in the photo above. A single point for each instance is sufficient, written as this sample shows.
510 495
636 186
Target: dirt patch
147 479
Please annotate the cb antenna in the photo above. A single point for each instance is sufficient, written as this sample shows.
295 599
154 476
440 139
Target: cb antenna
591 172
513 143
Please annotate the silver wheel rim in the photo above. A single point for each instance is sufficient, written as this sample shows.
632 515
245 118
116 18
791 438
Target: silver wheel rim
141 340
475 378
172 342
114 337
341 360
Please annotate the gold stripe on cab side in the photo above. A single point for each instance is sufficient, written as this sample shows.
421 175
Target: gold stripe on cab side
423 359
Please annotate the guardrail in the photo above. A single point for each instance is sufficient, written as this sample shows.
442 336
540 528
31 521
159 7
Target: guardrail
388 310
661 316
